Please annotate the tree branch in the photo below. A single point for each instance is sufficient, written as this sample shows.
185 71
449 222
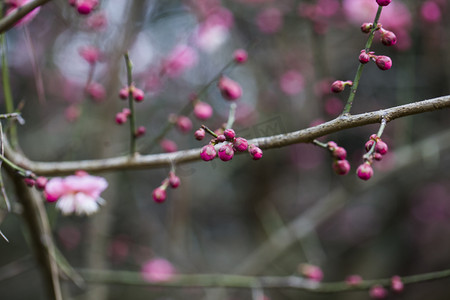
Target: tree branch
240 281
7 22
164 159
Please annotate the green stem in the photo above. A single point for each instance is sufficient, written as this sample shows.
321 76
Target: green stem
7 92
209 131
354 88
21 171
129 66
320 144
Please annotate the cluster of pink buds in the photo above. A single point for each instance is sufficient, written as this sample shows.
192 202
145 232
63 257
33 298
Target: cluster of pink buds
229 145
159 194
122 116
383 62
388 38
339 85
375 149
38 182
379 292
84 7
340 165
137 94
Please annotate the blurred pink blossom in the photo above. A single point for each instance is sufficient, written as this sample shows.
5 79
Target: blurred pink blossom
79 194
90 53
179 60
430 12
97 21
292 82
269 20
15 5
157 270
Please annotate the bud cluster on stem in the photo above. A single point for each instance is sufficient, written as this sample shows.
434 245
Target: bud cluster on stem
375 149
159 194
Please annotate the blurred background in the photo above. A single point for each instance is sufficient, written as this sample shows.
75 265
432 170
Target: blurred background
66 73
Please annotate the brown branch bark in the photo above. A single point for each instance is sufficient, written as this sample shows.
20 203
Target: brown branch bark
276 141
7 22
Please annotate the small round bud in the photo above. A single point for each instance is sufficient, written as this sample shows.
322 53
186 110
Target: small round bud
200 134
226 152
230 89
123 93
255 152
337 86
377 292
41 182
311 272
90 53
159 194
364 58
381 147
240 144
126 111
229 134
174 180
240 56
29 181
332 145
388 38
121 118
366 27
365 171
377 156
208 153
202 110
341 167
85 7
138 94
221 138
340 153
383 2
96 91
140 131
383 62
184 124
353 280
397 284
168 145
374 137
369 145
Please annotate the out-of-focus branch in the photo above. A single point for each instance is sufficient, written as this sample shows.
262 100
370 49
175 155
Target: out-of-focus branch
239 281
166 159
8 21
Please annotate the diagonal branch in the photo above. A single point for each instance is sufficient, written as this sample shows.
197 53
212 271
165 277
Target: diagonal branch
8 21
166 159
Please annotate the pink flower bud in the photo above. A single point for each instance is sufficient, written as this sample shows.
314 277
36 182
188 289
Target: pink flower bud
255 152
226 152
29 181
158 270
364 171
364 57
377 156
208 153
184 124
340 153
159 194
388 38
339 85
383 2
240 144
229 134
311 272
430 12
221 138
332 145
126 111
138 94
96 91
140 131
240 56
90 53
381 147
377 292
174 180
41 182
121 118
230 89
341 167
84 7
168 145
202 110
353 280
366 27
123 93
383 62
199 134
397 284
369 145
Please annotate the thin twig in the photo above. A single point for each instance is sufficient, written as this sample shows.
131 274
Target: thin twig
8 21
